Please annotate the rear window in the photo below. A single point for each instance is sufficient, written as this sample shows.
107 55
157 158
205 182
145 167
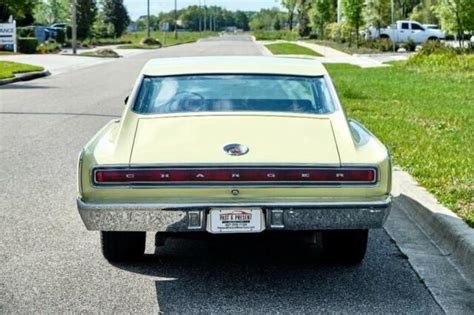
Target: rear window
233 93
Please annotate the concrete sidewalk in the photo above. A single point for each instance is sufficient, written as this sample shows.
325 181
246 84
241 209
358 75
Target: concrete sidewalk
331 55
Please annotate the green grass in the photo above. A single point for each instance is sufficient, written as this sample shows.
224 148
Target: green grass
426 119
345 47
169 40
291 49
8 69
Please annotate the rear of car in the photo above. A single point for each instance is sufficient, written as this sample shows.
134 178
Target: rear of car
263 147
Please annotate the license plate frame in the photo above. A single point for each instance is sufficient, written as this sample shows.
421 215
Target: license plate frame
235 220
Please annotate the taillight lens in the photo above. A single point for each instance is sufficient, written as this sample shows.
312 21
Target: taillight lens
235 175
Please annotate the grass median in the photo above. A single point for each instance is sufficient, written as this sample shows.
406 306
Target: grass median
425 118
291 49
8 69
166 39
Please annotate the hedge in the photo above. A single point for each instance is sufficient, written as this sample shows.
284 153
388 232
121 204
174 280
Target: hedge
27 45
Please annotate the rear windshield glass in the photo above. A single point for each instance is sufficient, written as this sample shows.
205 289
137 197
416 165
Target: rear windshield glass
233 93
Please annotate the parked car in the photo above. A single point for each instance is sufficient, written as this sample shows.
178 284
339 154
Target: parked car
54 28
407 30
59 26
229 145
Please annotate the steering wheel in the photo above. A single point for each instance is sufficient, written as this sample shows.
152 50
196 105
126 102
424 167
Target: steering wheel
187 102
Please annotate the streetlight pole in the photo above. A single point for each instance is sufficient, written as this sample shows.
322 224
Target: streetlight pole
148 19
74 27
175 19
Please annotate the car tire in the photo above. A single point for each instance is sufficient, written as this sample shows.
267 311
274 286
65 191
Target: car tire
122 246
345 246
433 39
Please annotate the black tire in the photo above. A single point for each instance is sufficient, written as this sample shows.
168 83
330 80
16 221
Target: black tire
433 39
384 36
122 246
345 246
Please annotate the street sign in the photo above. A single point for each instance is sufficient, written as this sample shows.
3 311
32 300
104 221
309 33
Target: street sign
8 36
165 26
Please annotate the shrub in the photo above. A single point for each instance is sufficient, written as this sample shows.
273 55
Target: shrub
69 32
26 31
27 45
409 45
150 42
336 32
434 47
275 35
107 53
60 36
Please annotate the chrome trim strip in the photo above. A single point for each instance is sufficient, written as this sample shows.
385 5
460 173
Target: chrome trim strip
79 171
170 206
236 183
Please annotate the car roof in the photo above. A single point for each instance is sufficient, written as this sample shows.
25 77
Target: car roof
234 65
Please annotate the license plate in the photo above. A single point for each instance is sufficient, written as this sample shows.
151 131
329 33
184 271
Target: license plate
236 220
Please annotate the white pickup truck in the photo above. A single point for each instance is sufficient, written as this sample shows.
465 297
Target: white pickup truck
404 30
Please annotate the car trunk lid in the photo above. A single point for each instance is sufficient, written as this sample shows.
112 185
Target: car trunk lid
200 140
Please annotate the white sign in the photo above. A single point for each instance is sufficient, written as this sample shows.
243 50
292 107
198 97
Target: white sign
165 26
8 36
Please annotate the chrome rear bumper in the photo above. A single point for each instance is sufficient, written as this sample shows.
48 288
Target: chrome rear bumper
175 217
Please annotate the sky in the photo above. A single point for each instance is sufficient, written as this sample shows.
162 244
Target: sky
137 8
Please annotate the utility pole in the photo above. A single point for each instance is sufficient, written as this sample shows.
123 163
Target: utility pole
74 27
175 19
200 17
148 19
392 13
205 26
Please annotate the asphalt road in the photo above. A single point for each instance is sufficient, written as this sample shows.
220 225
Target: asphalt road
50 263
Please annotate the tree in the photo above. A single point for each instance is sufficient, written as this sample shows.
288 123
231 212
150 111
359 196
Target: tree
242 20
377 13
456 16
304 6
424 13
321 14
405 7
116 14
352 10
264 19
290 5
86 15
21 10
52 11
276 25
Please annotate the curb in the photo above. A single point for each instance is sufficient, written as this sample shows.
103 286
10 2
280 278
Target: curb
25 77
443 227
264 50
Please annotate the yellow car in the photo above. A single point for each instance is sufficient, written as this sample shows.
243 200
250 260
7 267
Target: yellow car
234 145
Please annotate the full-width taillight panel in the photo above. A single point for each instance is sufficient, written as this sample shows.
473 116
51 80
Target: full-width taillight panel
235 175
